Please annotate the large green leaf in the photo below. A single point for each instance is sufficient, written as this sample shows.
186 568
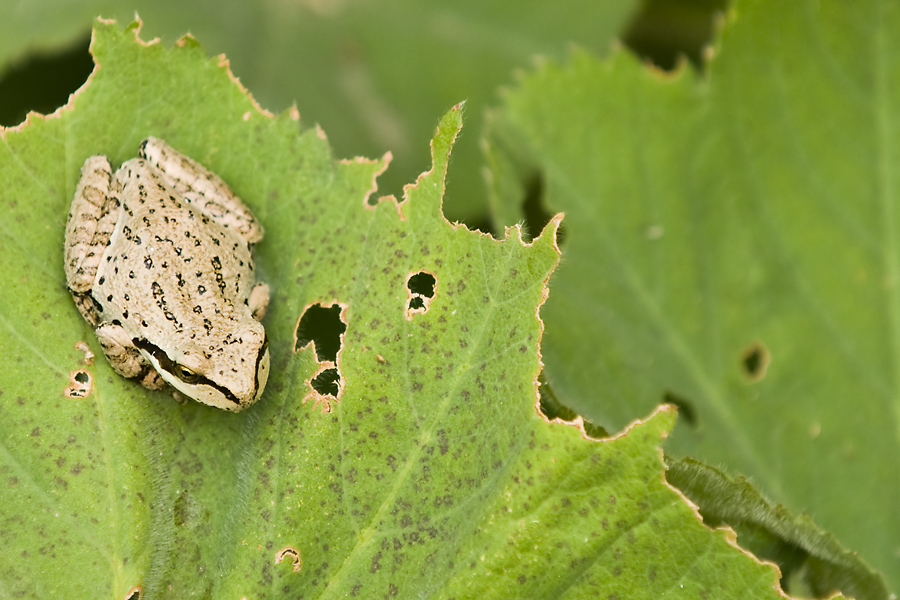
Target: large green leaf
731 246
372 74
432 475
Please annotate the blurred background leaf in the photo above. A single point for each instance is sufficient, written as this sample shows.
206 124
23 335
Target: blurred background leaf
730 246
372 74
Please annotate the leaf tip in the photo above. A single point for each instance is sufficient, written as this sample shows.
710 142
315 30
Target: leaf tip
447 130
549 234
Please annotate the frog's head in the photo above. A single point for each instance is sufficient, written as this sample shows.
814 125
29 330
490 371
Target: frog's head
230 375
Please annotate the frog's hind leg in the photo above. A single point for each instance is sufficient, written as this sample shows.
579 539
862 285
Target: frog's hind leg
202 188
125 358
92 219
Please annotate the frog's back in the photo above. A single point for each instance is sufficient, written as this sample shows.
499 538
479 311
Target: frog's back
185 263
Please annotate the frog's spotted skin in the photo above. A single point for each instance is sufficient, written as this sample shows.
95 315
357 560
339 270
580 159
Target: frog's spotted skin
158 260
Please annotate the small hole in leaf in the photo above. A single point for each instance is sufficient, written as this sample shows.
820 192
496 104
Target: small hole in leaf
535 211
293 555
755 361
326 382
42 82
685 407
420 288
324 327
80 384
422 283
752 362
134 593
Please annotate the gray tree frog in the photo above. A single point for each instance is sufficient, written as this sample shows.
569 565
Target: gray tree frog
157 258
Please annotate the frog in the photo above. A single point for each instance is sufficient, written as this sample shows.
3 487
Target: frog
158 261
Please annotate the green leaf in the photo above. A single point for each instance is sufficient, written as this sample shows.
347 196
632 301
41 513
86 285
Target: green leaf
730 246
432 475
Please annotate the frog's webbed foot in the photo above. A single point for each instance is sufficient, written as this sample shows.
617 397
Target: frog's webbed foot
125 358
259 301
91 221
152 380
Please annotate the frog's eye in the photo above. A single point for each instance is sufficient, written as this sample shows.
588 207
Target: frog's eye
185 374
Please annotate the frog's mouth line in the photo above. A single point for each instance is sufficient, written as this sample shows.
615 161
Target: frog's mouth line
171 367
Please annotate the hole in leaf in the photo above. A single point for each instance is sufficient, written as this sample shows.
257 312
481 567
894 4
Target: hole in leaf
327 382
322 326
292 554
685 407
535 211
755 361
752 361
42 82
420 290
422 283
80 384
134 593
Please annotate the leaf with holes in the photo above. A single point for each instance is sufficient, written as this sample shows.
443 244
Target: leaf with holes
731 247
418 464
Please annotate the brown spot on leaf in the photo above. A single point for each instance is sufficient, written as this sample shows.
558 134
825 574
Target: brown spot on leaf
88 358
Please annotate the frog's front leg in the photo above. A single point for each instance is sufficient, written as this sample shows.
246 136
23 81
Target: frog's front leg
92 219
125 358
259 301
202 188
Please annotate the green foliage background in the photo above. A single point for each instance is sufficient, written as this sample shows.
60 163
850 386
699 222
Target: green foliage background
748 207
358 68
